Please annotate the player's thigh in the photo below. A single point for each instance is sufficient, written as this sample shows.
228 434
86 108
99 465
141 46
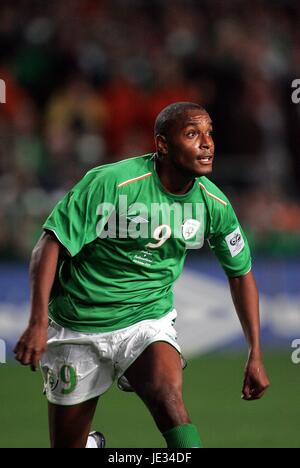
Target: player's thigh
159 367
69 426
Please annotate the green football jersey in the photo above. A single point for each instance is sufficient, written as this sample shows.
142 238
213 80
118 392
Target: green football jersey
126 239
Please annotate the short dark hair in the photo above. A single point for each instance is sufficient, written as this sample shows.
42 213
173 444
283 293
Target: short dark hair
167 117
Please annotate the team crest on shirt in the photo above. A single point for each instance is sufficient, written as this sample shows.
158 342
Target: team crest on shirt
189 228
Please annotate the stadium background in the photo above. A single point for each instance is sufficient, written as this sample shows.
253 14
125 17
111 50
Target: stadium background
85 80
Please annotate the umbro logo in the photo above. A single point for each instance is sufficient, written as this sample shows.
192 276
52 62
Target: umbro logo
137 219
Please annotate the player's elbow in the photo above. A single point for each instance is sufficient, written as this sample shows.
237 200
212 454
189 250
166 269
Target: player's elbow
46 245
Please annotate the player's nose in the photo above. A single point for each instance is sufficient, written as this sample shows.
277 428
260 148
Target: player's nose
205 143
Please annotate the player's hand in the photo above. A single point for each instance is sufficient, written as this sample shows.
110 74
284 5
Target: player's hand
31 346
256 380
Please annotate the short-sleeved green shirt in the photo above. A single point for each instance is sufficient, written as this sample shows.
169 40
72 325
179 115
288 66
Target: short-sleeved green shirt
126 239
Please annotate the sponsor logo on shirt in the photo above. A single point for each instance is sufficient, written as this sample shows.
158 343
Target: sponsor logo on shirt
235 242
236 239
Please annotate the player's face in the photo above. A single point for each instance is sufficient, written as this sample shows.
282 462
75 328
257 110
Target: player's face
190 144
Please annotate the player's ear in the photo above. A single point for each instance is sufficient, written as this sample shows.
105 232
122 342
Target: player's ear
161 145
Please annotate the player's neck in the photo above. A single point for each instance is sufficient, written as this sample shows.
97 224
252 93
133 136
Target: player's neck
172 179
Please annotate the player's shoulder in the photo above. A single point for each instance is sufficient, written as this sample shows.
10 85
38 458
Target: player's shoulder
118 173
214 196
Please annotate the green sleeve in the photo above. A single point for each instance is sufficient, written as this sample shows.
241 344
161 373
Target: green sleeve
228 241
74 219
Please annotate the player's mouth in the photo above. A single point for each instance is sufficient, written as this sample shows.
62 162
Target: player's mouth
205 159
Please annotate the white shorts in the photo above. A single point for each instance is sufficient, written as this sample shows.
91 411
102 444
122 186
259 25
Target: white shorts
79 366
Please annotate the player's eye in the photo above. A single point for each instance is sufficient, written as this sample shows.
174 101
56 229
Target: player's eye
191 134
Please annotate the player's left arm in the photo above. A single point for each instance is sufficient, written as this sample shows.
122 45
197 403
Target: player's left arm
246 300
229 243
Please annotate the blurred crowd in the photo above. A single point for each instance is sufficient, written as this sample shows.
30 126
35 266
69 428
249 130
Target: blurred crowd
85 80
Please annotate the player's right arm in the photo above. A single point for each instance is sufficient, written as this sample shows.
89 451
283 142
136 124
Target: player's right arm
71 225
43 265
